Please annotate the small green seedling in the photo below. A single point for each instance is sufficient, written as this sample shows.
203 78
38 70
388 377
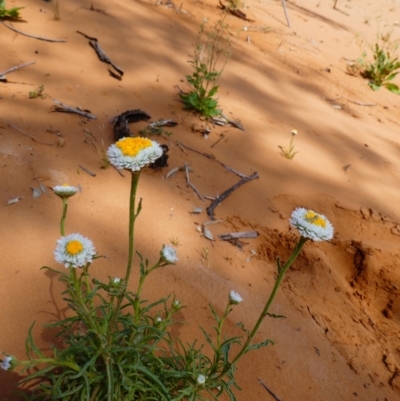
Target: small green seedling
210 57
289 152
174 241
37 93
383 69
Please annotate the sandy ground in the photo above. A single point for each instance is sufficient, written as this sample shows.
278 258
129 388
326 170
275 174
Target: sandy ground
340 340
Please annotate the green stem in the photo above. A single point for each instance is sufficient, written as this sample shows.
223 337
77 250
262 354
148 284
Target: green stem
88 286
110 383
139 290
132 218
219 333
131 241
94 393
220 324
52 361
281 273
64 216
78 296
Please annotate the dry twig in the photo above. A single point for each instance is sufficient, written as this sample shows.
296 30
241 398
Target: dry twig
269 391
33 36
211 157
242 234
286 13
217 201
351 101
67 109
102 56
25 133
87 171
190 184
16 67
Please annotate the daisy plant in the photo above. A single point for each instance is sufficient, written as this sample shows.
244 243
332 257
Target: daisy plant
115 346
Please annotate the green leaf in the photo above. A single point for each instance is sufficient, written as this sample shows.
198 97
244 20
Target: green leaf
259 345
213 91
241 325
276 316
393 88
391 76
156 380
11 13
374 86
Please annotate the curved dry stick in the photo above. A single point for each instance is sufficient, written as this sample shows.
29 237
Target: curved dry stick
33 36
217 201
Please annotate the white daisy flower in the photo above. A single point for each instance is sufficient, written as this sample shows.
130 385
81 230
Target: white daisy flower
65 190
133 153
74 250
158 319
168 254
6 364
235 298
201 379
116 280
311 225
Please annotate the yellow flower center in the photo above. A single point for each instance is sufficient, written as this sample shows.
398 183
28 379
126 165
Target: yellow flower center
132 146
315 219
74 247
65 185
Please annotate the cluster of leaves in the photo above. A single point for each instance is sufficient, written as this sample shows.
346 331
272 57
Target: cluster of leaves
382 70
201 99
9 13
37 93
210 58
125 354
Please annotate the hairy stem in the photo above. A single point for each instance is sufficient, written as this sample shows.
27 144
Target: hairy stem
281 273
64 216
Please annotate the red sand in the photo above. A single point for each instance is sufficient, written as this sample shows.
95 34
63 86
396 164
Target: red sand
340 340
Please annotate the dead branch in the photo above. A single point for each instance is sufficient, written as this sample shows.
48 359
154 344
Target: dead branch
276 398
217 201
100 53
17 67
220 138
351 101
67 109
286 13
211 157
87 171
242 234
25 133
33 36
190 184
